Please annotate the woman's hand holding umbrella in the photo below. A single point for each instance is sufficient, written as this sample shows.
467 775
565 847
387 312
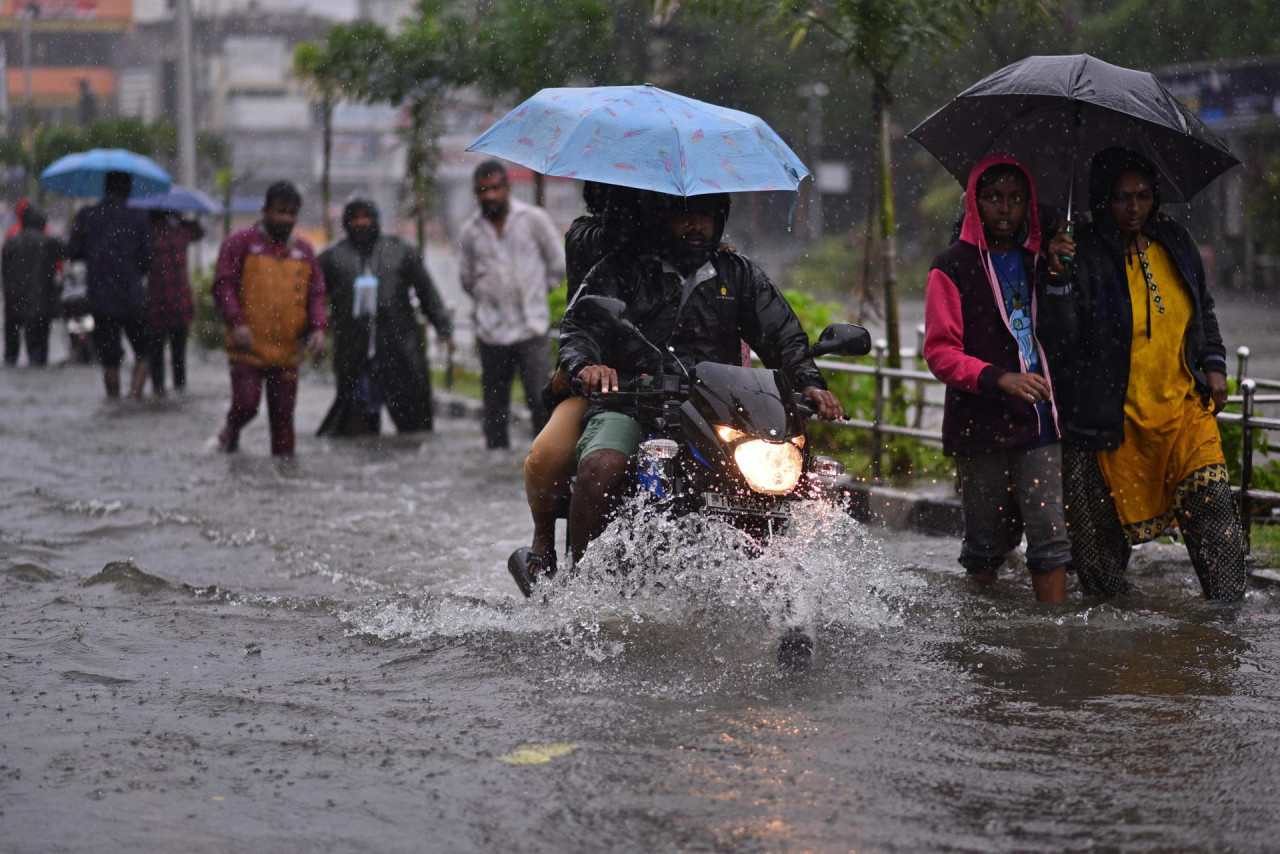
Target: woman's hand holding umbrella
1062 248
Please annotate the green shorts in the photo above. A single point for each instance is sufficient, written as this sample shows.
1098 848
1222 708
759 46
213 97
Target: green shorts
611 431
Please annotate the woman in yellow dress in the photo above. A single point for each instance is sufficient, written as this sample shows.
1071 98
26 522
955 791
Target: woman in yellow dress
1137 396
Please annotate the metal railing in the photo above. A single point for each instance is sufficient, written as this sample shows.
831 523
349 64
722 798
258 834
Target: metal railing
1248 419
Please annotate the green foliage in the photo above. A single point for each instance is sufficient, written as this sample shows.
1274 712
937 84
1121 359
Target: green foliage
164 139
12 152
207 328
831 269
127 132
1266 472
1263 204
343 64
54 141
1147 33
558 301
528 45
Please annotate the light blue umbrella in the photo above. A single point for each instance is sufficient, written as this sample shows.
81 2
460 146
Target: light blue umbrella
179 198
81 175
646 138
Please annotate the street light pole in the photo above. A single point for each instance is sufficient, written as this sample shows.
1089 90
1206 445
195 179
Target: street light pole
28 13
816 92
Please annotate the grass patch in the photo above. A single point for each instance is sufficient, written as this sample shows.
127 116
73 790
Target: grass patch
1265 540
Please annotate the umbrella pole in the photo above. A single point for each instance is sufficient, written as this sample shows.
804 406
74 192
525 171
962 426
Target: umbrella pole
1069 226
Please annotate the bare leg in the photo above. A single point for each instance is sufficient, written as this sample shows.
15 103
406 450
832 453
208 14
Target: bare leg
544 533
141 370
111 379
1051 586
599 493
983 579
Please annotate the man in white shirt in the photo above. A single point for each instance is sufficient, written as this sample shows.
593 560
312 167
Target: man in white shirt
511 257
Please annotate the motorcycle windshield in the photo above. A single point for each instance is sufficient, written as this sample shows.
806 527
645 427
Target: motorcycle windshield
754 400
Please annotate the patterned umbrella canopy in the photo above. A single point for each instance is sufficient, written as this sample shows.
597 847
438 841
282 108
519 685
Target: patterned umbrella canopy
646 138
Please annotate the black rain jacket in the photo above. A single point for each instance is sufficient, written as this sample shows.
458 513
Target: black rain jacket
403 373
703 318
1094 378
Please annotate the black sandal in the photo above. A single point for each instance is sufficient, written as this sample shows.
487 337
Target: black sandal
526 568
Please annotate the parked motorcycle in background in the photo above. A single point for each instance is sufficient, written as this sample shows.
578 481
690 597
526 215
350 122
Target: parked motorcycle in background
76 314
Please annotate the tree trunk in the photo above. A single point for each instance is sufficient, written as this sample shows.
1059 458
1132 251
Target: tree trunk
326 157
417 156
880 100
896 412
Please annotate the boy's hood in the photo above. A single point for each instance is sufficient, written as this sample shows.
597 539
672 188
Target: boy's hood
971 231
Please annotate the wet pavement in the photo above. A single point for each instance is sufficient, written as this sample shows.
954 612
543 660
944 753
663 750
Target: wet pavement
203 652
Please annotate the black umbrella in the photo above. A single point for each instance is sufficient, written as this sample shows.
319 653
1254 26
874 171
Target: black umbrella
1054 112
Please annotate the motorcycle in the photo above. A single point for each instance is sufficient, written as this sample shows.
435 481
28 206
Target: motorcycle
76 314
729 442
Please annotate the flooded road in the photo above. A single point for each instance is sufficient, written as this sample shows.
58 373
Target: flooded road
204 652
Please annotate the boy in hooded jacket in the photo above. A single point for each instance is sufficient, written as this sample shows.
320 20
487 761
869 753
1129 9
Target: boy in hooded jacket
983 314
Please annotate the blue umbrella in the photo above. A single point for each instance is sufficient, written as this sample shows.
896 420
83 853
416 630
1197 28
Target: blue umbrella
179 198
646 138
81 175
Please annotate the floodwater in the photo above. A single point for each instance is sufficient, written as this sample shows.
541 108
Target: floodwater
210 653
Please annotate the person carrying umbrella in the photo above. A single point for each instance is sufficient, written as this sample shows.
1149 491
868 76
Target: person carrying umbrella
1146 372
114 241
169 293
691 293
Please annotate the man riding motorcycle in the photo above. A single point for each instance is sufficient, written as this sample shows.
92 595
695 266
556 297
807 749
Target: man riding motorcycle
694 297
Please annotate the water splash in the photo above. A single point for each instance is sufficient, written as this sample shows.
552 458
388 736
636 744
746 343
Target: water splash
651 574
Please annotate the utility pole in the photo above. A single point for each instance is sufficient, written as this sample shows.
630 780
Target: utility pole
186 98
30 12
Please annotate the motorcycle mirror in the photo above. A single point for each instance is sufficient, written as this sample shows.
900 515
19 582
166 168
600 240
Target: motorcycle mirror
604 312
842 339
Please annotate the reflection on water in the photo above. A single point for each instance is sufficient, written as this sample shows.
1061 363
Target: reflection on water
353 612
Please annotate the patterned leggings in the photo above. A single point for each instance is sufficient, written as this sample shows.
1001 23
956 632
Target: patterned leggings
1207 517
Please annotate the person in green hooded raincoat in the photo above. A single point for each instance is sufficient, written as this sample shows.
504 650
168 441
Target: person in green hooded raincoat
380 356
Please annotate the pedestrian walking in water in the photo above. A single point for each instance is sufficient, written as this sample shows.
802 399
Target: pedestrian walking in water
114 241
510 258
270 291
1147 372
986 301
169 292
29 268
379 347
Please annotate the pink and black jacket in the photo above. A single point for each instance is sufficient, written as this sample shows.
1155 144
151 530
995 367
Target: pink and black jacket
968 342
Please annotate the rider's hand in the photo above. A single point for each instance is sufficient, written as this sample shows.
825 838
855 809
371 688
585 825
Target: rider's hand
1217 388
241 338
601 378
1032 388
1061 244
829 407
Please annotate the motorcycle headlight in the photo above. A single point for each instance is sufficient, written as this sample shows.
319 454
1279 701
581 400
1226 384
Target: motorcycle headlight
769 468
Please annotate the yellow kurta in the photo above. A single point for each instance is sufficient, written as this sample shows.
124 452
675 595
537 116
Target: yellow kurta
1168 433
